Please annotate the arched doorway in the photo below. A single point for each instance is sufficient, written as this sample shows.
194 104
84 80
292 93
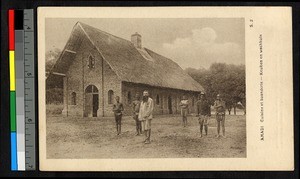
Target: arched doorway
91 101
170 105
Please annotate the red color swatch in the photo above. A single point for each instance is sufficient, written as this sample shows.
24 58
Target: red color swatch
11 29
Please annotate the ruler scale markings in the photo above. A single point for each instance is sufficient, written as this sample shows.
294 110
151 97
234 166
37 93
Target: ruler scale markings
29 90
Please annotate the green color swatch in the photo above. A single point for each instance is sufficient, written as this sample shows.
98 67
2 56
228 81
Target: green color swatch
12 111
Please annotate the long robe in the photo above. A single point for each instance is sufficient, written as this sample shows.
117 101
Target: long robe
146 110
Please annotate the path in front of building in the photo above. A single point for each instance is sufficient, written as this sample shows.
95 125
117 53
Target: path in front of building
83 138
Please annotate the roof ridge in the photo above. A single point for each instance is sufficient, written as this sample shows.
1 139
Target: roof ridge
106 33
127 41
167 58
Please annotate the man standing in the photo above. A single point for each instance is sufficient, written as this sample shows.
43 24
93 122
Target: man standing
203 111
145 115
184 104
219 106
117 109
136 109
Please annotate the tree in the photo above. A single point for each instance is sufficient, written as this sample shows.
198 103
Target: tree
54 89
225 79
51 58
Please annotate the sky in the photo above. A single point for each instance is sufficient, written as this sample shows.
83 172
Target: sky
190 42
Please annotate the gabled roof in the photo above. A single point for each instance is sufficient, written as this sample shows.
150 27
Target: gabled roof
130 64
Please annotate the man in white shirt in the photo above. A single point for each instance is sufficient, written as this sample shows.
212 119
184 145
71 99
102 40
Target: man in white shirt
220 107
145 115
184 104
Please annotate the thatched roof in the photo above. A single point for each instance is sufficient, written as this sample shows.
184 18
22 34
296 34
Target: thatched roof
141 66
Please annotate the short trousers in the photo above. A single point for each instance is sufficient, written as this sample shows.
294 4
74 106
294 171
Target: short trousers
118 119
183 112
135 117
203 120
220 117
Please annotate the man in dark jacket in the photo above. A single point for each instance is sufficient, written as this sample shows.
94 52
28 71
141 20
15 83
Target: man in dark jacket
203 111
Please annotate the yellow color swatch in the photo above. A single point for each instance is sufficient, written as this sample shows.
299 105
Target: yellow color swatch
12 70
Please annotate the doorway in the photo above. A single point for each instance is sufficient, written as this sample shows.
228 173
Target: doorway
95 104
170 105
91 101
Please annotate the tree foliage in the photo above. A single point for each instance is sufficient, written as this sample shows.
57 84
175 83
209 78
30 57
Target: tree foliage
225 79
54 85
51 58
54 96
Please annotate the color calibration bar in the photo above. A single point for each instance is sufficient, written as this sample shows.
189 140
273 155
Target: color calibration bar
21 63
11 45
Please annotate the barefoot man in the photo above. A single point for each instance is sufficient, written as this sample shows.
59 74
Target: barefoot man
118 109
184 104
136 109
220 114
145 115
203 111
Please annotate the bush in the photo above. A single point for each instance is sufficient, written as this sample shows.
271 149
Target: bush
54 109
54 96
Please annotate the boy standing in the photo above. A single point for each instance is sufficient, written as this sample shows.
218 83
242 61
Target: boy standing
220 114
184 104
136 109
117 109
203 111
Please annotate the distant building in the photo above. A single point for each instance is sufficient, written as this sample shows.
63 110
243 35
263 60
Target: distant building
97 66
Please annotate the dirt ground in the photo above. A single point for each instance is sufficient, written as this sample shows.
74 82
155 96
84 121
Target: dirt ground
78 138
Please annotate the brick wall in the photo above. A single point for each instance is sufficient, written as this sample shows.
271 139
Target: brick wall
80 76
160 107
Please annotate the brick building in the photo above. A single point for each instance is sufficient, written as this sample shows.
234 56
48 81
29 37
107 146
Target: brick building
97 66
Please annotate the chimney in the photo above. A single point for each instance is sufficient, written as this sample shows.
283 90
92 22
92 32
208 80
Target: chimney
136 39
